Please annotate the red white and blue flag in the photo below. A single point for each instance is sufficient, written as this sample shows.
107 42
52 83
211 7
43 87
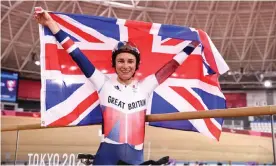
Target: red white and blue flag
68 98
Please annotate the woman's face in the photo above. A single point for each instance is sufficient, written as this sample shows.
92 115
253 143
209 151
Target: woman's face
125 65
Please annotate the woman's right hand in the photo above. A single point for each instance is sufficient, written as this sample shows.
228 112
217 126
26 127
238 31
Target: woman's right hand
43 17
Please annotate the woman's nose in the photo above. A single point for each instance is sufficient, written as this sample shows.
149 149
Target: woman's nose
125 65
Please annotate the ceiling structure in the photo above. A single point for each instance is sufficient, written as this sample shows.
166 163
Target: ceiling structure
244 32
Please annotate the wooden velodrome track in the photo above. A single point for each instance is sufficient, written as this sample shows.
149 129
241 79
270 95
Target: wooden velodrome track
159 142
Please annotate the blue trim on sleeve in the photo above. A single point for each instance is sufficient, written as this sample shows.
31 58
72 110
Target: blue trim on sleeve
60 35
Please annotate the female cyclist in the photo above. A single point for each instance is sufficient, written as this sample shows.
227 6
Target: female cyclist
123 100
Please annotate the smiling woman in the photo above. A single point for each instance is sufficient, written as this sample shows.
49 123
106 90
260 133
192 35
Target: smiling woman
126 61
125 67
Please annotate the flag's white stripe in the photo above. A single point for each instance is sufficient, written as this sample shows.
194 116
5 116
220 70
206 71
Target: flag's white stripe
85 113
155 27
51 40
196 96
57 75
83 27
193 29
165 40
201 126
158 47
123 29
194 83
69 79
43 81
67 106
200 100
149 104
174 99
215 122
79 38
220 62
197 50
183 106
89 30
82 45
203 104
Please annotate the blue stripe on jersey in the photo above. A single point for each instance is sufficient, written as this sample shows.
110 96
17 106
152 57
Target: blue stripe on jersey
161 106
114 134
85 65
106 26
47 32
177 32
58 91
94 117
211 101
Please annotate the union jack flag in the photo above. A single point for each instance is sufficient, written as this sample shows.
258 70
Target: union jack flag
68 98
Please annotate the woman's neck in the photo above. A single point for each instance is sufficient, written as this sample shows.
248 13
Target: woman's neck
124 82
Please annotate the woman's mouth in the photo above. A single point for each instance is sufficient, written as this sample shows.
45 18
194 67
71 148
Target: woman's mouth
125 72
